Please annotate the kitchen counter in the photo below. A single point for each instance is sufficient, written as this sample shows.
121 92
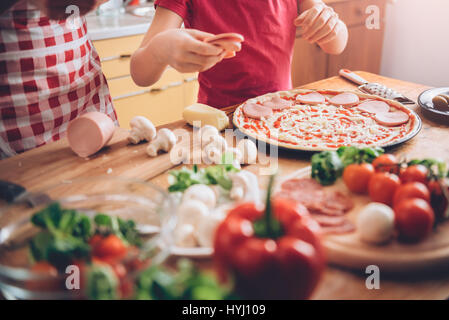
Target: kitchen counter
101 27
55 162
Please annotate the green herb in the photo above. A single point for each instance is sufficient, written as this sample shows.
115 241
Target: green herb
350 155
212 175
187 283
125 230
327 166
102 283
437 169
65 233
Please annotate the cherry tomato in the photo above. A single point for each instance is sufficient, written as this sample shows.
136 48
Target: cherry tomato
95 240
386 163
357 177
414 219
411 190
49 283
414 173
382 186
110 247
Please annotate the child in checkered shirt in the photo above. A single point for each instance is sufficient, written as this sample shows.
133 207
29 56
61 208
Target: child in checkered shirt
49 72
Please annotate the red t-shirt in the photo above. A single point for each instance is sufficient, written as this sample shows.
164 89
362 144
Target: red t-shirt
264 63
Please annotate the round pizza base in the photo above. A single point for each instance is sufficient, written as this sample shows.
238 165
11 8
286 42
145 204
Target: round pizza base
417 123
347 250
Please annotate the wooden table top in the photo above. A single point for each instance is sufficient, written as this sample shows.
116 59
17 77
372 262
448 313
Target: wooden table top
54 163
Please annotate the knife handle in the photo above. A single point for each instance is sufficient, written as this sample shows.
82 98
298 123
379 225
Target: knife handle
348 74
10 191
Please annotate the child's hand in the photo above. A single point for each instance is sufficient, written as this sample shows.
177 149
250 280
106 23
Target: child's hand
319 24
185 50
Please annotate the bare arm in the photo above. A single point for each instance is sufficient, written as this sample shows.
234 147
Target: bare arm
166 44
321 25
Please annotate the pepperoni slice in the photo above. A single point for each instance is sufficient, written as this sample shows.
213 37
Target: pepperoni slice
328 221
277 103
301 183
392 119
311 98
345 99
374 106
255 111
346 227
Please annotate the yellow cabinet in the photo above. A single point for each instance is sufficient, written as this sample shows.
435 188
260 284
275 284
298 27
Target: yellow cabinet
161 107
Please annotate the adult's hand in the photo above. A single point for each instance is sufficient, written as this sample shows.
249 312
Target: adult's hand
56 9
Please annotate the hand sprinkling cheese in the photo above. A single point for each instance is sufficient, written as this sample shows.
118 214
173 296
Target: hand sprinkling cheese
141 129
165 141
375 223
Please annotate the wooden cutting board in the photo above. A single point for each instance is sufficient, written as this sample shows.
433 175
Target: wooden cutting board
55 162
347 250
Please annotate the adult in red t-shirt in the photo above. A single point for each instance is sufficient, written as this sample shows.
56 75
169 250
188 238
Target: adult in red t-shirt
264 62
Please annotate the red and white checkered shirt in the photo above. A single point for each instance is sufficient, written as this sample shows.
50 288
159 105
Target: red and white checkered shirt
50 73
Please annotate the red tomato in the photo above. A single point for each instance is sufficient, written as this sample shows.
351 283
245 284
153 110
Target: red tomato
386 163
49 283
110 247
382 186
411 190
414 173
414 219
95 240
357 176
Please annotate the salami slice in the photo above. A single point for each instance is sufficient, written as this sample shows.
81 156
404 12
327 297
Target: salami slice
392 119
277 103
345 99
297 183
328 221
311 98
346 227
374 106
256 111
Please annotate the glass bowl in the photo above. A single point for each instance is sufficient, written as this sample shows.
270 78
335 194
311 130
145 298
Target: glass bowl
149 206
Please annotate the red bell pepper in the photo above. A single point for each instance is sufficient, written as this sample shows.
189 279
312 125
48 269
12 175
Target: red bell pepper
274 253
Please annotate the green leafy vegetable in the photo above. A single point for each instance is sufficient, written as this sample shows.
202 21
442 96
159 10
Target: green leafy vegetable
350 155
188 283
212 175
437 168
102 283
327 166
125 230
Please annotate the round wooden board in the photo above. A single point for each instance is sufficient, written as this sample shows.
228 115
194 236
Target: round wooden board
347 250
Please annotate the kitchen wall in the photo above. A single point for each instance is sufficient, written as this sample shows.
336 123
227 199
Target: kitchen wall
416 45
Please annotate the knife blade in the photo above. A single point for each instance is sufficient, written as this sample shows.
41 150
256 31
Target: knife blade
15 193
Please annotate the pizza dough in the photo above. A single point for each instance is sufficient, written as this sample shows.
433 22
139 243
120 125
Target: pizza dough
326 126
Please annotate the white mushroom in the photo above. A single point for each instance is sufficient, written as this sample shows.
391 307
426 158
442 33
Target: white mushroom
191 212
185 236
248 150
141 129
245 186
206 133
206 229
200 192
236 156
217 141
375 223
165 141
212 155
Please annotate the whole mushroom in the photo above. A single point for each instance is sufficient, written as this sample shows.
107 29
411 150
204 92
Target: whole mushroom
245 187
141 129
165 141
248 150
200 192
